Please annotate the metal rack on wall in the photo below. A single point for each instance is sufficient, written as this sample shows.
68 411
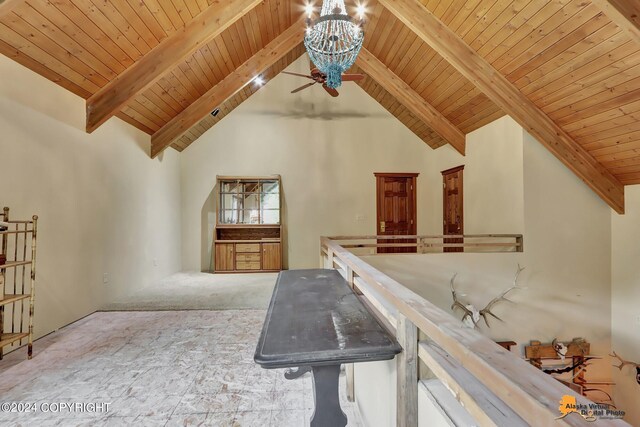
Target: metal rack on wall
17 281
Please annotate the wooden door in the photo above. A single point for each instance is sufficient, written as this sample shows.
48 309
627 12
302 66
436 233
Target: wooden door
396 209
271 256
225 256
453 220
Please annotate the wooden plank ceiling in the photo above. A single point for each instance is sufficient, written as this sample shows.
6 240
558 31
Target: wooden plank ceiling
577 64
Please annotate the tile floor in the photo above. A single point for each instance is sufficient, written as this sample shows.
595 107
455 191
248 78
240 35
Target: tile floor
158 369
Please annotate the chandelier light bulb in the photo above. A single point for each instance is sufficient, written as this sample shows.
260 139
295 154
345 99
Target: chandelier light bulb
333 41
308 9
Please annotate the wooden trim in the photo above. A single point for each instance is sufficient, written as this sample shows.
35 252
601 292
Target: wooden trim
506 96
444 202
396 175
229 86
413 200
429 245
249 225
426 244
413 204
624 13
452 170
393 84
407 374
167 55
269 240
430 236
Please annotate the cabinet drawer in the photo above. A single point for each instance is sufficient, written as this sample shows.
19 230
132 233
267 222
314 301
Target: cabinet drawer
248 265
248 247
248 258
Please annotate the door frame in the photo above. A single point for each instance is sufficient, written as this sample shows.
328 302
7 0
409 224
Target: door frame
444 207
413 205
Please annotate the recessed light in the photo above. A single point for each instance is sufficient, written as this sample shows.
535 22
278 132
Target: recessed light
259 80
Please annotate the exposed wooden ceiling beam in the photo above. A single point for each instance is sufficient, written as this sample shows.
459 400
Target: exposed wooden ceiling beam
167 55
475 68
624 13
229 86
411 99
7 6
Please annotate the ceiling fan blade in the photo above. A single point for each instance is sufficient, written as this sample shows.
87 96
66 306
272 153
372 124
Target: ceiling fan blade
352 77
303 87
298 75
330 91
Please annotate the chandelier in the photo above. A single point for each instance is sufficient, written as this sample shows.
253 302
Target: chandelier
333 41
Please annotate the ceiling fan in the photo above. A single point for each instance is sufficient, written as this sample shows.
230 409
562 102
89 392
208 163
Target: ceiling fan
319 77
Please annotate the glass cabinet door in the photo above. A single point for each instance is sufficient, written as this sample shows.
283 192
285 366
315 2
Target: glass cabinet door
249 201
270 202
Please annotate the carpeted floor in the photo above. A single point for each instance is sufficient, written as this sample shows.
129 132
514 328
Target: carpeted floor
201 291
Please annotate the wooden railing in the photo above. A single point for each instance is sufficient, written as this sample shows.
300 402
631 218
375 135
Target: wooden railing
495 386
370 245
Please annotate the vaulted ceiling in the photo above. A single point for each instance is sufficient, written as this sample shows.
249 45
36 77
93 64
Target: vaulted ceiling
567 70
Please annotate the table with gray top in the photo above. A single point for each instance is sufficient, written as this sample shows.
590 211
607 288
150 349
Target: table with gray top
315 322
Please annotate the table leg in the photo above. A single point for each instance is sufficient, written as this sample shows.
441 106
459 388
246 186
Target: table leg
326 395
294 373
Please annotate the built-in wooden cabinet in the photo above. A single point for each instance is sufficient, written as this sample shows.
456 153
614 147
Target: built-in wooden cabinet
271 256
248 234
225 256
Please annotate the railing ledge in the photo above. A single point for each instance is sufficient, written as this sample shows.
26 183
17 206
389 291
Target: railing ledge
528 392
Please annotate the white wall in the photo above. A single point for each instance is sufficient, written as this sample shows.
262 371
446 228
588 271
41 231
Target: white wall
625 308
493 180
375 391
567 241
567 264
104 206
567 250
326 151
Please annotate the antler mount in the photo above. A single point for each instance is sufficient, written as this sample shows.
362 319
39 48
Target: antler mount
471 314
